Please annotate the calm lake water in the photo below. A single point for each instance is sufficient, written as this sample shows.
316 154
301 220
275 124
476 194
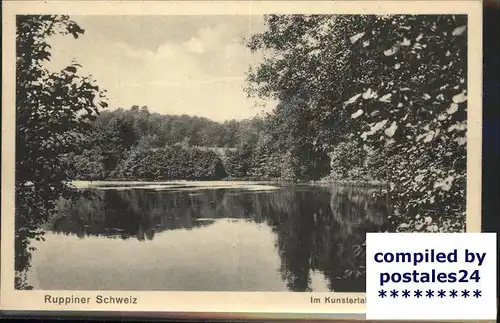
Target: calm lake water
211 236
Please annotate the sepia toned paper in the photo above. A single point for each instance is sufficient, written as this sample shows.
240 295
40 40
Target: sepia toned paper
253 299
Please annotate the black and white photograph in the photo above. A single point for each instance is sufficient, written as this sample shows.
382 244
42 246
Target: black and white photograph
232 153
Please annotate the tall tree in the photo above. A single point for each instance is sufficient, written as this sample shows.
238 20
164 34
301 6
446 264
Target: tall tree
53 114
394 83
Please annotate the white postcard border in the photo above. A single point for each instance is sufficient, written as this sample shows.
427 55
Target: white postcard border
241 302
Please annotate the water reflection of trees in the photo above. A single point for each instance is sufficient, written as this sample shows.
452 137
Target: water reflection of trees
316 229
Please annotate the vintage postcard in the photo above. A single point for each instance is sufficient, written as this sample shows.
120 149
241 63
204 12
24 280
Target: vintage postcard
226 156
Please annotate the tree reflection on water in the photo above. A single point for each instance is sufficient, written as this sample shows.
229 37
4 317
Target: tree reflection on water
316 228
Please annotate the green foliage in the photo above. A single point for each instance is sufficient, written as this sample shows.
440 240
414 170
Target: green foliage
53 115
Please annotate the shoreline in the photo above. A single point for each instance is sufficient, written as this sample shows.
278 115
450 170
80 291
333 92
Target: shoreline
355 183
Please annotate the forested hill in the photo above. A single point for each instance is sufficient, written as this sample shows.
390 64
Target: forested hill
159 130
139 145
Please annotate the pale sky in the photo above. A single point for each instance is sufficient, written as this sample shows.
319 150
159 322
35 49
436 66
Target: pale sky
191 65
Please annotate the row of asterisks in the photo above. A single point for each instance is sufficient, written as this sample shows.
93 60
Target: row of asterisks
430 293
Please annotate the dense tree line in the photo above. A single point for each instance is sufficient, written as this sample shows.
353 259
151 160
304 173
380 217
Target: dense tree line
257 148
162 130
170 163
130 138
